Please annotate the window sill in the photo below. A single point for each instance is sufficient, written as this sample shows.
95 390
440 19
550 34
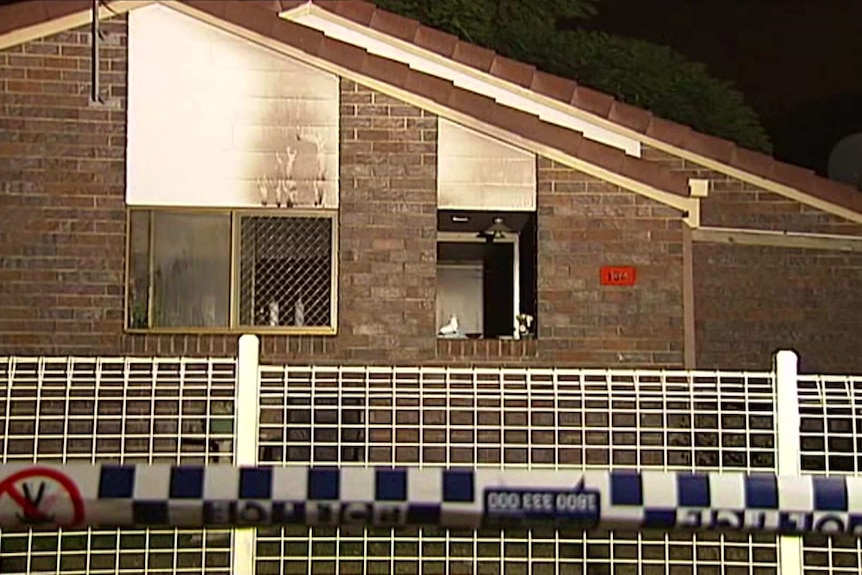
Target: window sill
486 348
255 330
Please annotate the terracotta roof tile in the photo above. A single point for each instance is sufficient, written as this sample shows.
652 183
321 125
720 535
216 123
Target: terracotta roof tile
475 105
843 195
473 56
359 12
513 71
666 131
24 14
517 122
431 87
342 54
436 41
274 5
385 70
394 25
301 37
791 175
216 9
710 146
592 101
60 8
259 20
635 118
553 86
753 162
601 155
561 138
652 174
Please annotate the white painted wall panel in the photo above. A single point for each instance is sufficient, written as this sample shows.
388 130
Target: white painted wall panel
475 171
215 120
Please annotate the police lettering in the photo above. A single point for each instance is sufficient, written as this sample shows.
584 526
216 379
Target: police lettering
257 513
251 513
789 522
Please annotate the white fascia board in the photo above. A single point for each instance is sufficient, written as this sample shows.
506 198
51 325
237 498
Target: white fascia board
462 76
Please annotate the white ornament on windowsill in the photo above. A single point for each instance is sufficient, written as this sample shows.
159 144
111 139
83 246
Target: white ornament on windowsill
523 325
451 329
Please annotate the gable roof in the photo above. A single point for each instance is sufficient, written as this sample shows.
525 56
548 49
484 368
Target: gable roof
30 19
260 19
603 106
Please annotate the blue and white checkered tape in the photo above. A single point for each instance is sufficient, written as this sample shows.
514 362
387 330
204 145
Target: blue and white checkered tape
108 496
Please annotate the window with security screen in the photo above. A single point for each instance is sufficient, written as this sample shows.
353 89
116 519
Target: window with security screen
217 270
285 271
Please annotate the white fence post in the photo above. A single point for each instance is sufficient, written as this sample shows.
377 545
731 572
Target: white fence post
790 558
246 438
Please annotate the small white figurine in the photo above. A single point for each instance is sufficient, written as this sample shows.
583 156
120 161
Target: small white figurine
450 329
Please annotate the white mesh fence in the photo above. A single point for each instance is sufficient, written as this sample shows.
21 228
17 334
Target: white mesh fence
118 410
515 418
185 411
830 409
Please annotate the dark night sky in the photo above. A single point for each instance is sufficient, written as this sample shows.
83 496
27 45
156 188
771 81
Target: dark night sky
798 62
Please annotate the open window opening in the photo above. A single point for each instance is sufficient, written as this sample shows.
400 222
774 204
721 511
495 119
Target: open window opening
486 274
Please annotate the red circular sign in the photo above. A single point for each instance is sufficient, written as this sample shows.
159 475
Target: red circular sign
38 507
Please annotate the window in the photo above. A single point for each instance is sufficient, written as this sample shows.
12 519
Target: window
486 274
231 270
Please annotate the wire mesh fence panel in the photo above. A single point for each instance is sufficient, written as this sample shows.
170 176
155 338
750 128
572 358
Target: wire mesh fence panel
286 271
116 410
830 409
515 418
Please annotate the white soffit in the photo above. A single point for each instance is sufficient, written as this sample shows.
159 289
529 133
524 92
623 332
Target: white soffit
215 120
478 172
426 61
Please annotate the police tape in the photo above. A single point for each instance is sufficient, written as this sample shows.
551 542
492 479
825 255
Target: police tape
73 496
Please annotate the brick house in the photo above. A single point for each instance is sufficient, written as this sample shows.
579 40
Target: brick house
342 181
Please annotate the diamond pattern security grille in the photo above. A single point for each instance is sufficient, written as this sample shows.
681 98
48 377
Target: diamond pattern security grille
286 271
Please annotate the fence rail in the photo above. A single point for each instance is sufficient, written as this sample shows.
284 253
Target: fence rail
192 411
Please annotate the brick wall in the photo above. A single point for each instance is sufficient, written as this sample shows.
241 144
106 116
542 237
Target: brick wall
62 219
751 301
388 231
387 245
584 224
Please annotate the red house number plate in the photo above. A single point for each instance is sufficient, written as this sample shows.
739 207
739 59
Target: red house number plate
618 276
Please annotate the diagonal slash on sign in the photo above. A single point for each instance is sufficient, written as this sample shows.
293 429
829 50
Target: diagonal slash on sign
7 485
25 504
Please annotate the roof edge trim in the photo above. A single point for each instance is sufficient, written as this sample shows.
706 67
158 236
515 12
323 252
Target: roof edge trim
797 240
591 126
67 22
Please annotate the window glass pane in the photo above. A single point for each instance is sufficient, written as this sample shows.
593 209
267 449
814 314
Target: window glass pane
191 270
139 269
286 271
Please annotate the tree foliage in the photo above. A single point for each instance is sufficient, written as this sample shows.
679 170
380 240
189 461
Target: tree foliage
637 72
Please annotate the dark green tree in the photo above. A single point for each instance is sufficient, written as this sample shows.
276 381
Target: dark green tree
637 72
